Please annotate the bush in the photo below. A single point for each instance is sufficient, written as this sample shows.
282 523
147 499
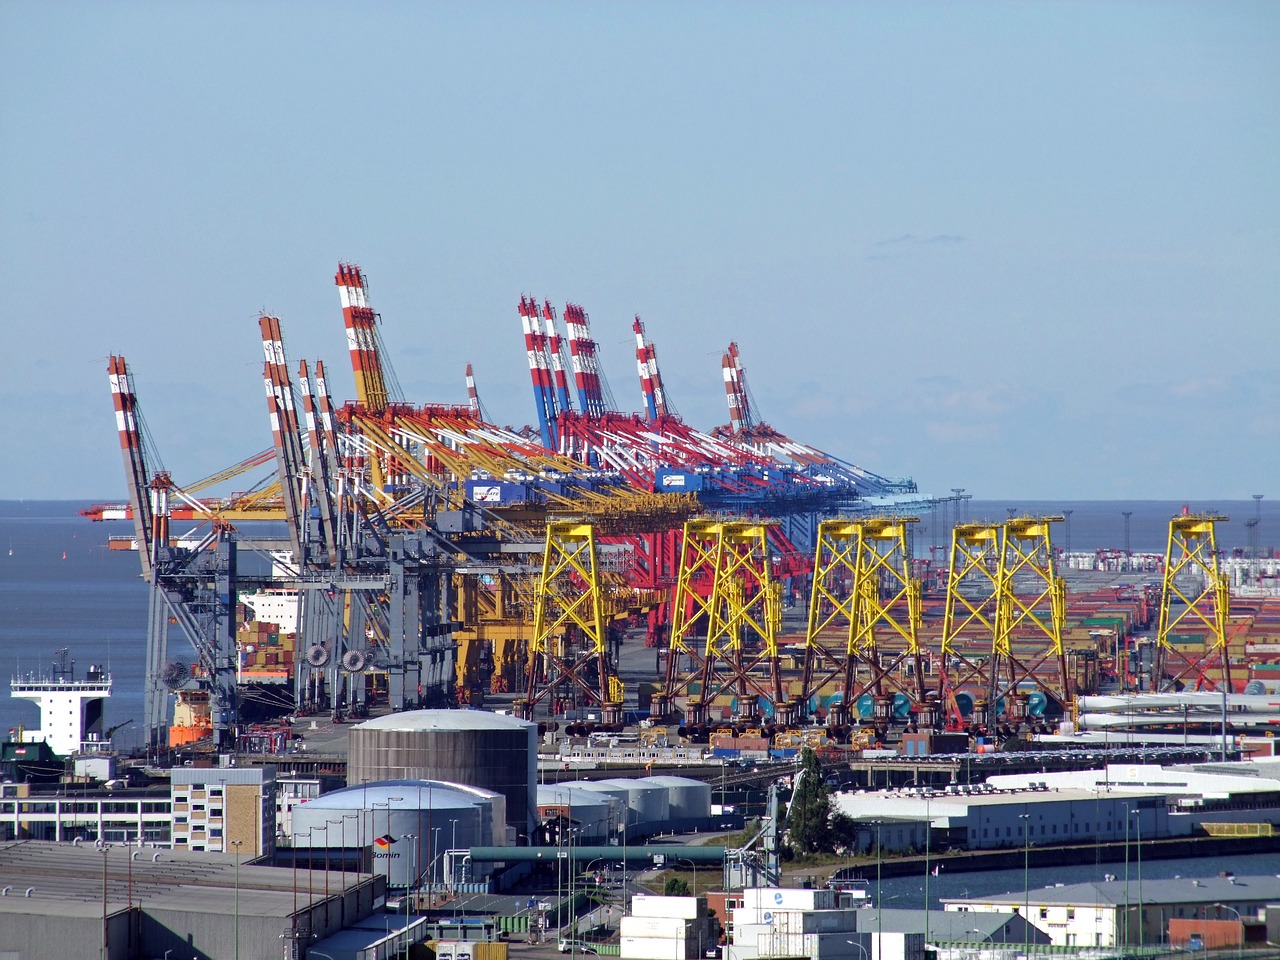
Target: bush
675 887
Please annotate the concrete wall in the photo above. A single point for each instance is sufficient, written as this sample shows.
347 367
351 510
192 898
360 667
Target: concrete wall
45 937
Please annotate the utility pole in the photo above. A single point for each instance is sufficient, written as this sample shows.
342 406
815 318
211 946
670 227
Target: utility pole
1128 552
1066 516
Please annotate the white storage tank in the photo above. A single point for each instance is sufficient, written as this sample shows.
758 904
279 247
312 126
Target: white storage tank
647 802
689 801
596 814
399 828
455 746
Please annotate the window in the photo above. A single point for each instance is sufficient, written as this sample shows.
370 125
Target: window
1044 913
1071 913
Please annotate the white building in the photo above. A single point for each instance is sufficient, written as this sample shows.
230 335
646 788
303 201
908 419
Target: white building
224 809
1116 912
981 818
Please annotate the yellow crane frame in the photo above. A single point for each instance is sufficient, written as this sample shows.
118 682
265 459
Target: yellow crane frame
725 590
1034 616
1192 548
870 559
569 613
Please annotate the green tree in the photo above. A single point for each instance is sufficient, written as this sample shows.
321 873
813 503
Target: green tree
675 887
810 809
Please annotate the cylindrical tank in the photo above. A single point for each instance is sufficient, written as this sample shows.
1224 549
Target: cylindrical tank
400 828
595 814
456 746
619 797
647 802
688 800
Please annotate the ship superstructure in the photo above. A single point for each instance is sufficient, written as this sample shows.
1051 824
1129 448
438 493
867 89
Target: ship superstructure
71 710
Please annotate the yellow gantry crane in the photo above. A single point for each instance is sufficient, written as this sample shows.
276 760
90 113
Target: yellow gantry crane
1193 579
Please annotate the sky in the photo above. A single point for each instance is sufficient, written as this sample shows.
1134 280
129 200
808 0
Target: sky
1027 249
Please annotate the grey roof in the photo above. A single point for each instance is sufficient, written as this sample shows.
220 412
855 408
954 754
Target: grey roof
67 881
953 927
434 794
1193 891
445 721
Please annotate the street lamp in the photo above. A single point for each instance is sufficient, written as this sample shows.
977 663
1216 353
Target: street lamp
453 845
1240 920
236 844
105 848
1142 933
413 838
855 943
1026 881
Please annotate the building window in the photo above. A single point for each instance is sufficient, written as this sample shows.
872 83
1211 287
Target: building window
1044 913
1071 913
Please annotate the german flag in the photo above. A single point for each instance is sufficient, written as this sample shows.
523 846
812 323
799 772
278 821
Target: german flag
385 842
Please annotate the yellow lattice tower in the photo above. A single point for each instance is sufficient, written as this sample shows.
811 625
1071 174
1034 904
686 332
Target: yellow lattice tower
1030 610
973 584
887 608
568 652
690 612
725 591
745 613
831 608
1192 554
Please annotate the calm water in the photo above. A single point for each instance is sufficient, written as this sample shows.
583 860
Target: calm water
60 586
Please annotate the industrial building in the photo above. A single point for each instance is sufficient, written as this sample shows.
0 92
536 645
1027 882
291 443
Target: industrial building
59 901
485 750
217 808
983 818
1137 911
204 809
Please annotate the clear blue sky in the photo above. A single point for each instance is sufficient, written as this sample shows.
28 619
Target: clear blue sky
1029 249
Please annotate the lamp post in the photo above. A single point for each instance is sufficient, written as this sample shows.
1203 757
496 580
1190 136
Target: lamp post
1127 812
1026 881
860 947
1240 920
105 848
1137 825
236 844
453 845
413 838
928 834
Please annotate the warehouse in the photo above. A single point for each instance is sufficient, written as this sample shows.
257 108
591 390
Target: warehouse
59 900
983 818
1115 912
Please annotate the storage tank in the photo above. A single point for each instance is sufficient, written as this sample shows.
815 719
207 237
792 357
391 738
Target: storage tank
647 802
455 746
689 801
596 814
398 828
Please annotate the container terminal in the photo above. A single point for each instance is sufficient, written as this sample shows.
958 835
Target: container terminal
400 589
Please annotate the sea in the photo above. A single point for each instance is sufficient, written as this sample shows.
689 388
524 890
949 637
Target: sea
60 586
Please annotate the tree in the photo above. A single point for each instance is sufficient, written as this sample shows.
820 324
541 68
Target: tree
810 808
675 887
